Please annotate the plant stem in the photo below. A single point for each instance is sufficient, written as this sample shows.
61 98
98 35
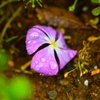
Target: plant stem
25 65
6 2
8 23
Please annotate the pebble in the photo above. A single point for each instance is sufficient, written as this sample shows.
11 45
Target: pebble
95 67
86 82
52 94
8 75
68 89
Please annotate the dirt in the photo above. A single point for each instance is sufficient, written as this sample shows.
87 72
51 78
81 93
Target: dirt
57 87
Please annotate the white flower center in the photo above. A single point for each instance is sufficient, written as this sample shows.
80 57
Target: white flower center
54 44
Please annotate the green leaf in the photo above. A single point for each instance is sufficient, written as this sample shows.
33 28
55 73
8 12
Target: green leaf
20 87
95 1
96 11
12 38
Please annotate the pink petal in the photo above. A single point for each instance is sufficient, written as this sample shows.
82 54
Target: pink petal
34 39
49 30
61 41
44 62
65 56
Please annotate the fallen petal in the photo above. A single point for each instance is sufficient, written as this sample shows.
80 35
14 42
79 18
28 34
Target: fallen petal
49 31
34 39
65 56
44 62
61 41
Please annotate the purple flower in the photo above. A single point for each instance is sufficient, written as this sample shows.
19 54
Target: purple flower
51 53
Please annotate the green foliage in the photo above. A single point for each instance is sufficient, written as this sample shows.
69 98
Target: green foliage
84 57
4 58
18 88
72 8
12 38
13 16
33 2
95 1
27 2
96 11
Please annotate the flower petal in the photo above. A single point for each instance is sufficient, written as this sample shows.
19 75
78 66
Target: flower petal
49 30
61 41
44 62
65 56
34 39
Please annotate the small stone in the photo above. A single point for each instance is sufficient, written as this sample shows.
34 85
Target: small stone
85 8
95 67
41 74
68 89
86 82
52 94
74 96
8 75
88 95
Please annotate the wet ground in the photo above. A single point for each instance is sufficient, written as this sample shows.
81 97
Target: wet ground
77 32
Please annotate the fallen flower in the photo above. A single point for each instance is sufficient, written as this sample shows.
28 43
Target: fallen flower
51 53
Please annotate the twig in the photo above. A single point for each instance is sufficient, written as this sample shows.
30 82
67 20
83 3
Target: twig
25 65
8 23
6 2
68 96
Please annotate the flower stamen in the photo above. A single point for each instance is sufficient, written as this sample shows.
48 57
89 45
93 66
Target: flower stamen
54 44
